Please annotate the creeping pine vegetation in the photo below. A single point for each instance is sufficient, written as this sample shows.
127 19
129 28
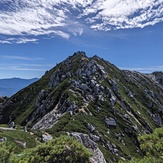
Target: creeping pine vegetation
91 110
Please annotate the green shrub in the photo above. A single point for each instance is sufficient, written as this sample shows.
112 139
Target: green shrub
152 145
63 149
5 152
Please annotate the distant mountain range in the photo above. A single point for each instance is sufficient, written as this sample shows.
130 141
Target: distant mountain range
10 86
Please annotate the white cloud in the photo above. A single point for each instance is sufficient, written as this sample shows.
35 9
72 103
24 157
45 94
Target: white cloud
120 14
77 31
30 17
19 40
25 40
5 42
56 17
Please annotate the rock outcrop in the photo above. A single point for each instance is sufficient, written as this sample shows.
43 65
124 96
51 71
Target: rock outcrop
91 145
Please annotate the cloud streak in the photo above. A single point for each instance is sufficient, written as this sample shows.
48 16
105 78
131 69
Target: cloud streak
21 40
65 18
25 67
16 57
144 69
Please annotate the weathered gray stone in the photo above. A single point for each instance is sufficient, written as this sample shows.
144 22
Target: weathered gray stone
25 129
97 89
4 139
68 74
115 87
98 109
101 68
71 113
113 99
130 94
84 87
91 145
88 73
95 138
12 125
92 83
91 128
113 110
135 127
55 78
72 107
94 69
151 93
112 148
24 144
127 117
157 119
42 95
46 137
63 77
110 122
79 72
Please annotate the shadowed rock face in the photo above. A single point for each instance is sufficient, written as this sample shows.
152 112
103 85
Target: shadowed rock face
91 96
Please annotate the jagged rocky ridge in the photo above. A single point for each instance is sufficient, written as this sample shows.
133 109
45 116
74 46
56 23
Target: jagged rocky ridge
91 96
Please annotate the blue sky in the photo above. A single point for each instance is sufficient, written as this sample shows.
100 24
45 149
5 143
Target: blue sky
37 34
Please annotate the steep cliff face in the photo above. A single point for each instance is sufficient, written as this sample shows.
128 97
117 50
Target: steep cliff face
91 96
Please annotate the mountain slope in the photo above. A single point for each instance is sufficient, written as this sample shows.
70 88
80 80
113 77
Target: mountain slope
8 87
91 96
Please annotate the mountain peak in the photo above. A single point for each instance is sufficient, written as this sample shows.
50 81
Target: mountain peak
79 53
93 97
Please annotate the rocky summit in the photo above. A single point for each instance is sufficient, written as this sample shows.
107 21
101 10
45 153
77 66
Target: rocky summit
104 107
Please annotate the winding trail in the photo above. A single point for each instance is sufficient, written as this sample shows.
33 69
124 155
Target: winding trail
7 129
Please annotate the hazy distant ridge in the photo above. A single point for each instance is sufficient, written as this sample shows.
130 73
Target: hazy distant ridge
10 86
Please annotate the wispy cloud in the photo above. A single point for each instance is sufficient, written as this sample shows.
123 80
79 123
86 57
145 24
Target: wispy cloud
19 40
144 69
25 40
25 67
65 18
16 57
5 42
